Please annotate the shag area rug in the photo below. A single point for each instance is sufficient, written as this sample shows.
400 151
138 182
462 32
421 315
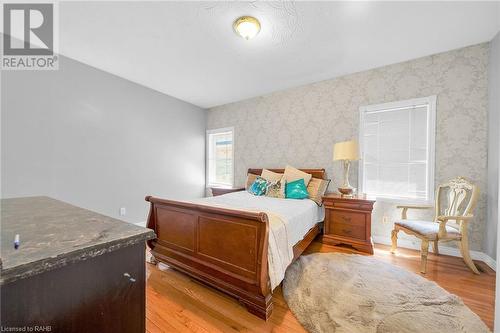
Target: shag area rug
333 292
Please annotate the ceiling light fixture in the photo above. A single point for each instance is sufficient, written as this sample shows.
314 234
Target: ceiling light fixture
247 27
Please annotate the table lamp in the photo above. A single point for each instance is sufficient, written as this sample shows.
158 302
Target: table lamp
346 151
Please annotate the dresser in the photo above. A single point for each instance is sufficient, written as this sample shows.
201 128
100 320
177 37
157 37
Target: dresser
75 271
348 221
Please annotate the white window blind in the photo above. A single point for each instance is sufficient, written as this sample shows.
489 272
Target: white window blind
397 145
220 155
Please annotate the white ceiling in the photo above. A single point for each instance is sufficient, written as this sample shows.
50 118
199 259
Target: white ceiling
188 49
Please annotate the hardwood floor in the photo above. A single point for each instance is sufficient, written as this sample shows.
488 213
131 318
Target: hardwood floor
177 303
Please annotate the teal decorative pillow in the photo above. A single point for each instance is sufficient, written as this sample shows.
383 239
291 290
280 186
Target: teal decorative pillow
258 187
296 190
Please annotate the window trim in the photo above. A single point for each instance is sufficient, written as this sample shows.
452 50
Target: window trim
431 145
207 157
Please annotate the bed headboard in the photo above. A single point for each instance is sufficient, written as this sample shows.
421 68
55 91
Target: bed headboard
316 173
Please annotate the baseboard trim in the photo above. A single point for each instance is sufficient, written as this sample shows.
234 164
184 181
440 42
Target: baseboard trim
446 250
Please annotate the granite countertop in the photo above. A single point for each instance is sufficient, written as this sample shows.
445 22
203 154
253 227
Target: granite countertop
54 233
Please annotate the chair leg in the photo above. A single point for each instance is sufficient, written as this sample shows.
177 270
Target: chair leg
423 255
435 247
394 239
464 249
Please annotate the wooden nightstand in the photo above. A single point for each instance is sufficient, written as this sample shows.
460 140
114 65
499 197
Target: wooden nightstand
348 221
224 190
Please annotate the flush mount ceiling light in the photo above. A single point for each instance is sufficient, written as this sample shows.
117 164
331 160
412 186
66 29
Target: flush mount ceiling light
247 27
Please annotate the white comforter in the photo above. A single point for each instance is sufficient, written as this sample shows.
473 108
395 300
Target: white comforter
289 221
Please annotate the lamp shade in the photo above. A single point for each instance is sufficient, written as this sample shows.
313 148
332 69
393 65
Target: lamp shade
347 150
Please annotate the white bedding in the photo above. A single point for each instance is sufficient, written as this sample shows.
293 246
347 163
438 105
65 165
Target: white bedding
289 221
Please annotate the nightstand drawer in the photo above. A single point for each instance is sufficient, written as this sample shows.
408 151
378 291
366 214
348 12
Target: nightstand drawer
349 230
356 219
356 206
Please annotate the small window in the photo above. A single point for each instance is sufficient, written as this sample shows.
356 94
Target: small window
220 157
397 150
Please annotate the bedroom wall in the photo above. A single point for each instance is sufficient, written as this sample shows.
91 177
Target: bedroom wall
299 126
490 240
98 141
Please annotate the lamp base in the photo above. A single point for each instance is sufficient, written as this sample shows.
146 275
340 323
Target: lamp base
347 192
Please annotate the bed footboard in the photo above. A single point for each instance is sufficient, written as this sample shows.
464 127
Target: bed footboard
224 248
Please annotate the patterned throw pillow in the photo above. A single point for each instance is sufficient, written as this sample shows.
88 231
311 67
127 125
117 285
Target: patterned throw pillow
258 187
317 188
296 190
276 189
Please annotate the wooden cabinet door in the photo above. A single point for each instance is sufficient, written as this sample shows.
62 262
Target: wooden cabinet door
93 295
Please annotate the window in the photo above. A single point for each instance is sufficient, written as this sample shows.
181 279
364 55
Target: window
397 145
220 166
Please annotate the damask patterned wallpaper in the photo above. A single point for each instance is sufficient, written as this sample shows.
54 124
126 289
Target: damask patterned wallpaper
299 126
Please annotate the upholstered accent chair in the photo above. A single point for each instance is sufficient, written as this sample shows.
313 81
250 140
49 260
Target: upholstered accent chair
455 202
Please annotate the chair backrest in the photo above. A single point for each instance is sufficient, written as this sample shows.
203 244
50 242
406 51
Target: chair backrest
456 198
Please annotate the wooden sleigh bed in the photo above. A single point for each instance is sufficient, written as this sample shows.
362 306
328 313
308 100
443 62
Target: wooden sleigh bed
224 248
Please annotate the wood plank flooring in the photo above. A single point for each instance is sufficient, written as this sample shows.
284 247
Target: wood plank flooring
177 303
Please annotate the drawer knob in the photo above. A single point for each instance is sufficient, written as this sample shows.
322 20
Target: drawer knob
345 231
346 218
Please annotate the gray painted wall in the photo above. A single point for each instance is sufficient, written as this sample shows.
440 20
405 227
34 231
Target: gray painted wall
490 239
98 141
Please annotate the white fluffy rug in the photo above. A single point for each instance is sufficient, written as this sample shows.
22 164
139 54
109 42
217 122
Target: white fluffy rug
333 292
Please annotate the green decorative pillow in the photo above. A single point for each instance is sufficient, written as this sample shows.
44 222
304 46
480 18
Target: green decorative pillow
258 187
296 190
275 189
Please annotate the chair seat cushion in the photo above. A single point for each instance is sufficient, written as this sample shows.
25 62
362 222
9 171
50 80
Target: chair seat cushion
427 228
